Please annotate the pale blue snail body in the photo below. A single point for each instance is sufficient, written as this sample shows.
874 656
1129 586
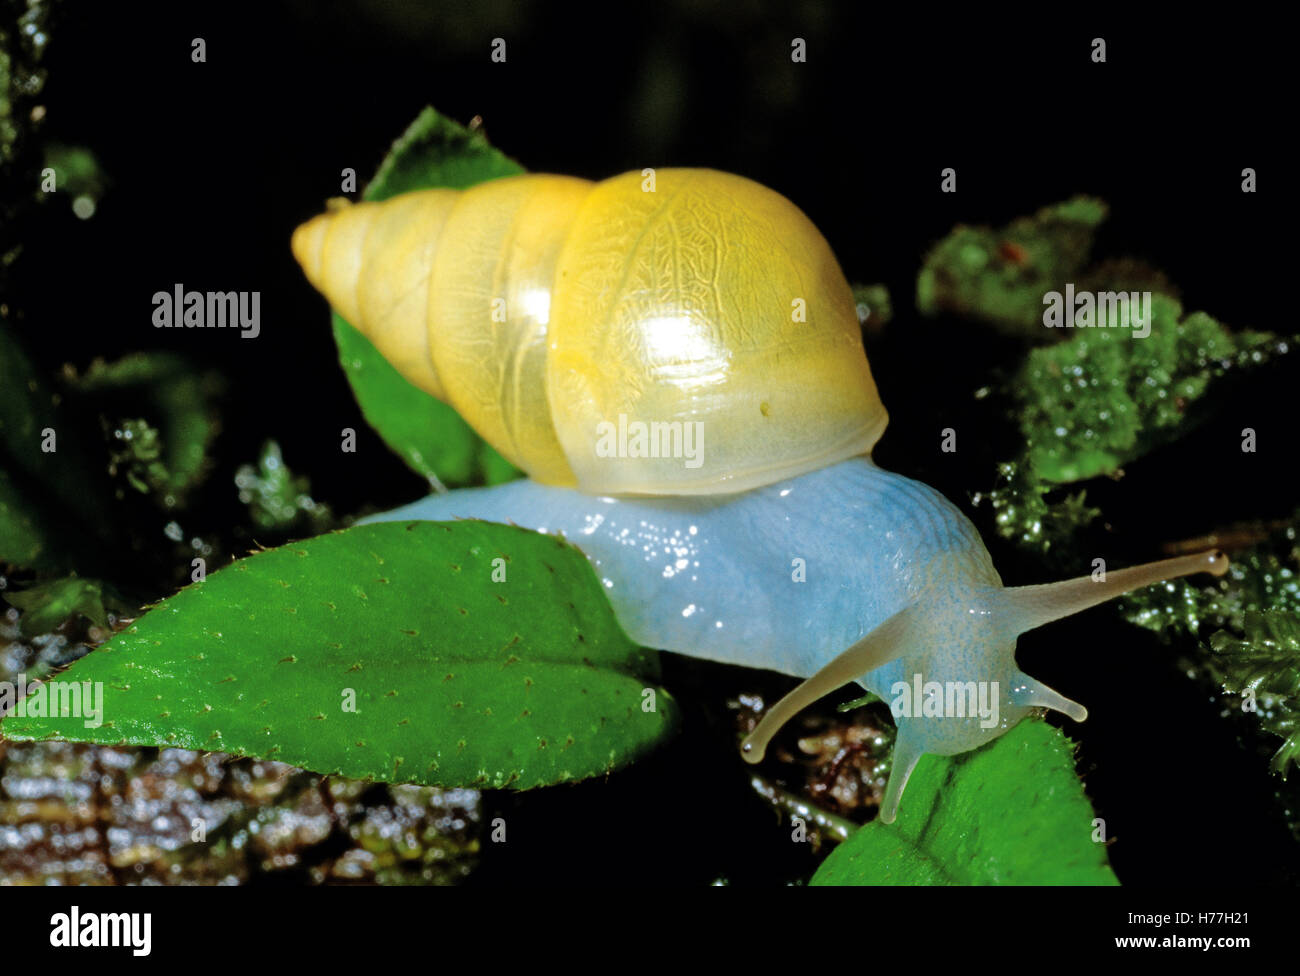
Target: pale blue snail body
551 312
715 577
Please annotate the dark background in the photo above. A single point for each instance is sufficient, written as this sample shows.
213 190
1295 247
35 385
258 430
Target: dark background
212 165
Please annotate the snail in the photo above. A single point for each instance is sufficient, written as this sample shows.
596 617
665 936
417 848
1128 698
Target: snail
677 364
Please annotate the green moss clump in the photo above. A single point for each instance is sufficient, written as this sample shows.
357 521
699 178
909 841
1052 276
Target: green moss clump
1105 396
1000 275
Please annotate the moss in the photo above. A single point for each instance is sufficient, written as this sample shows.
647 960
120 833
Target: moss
999 275
1106 396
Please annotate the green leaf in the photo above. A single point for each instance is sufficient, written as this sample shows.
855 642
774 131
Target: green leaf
427 434
47 605
493 468
458 680
436 151
1012 812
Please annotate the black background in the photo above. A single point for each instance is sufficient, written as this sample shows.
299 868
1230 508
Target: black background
212 165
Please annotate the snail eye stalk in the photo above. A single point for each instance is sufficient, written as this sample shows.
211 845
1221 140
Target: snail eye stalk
1025 607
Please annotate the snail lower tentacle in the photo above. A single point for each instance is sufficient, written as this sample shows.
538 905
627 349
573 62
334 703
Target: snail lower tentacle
884 644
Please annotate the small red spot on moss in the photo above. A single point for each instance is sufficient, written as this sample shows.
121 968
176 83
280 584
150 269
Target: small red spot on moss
1013 252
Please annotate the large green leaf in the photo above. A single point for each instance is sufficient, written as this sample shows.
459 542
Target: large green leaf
427 434
1013 812
459 680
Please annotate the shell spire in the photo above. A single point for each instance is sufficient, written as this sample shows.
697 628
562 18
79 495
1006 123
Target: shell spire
372 262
